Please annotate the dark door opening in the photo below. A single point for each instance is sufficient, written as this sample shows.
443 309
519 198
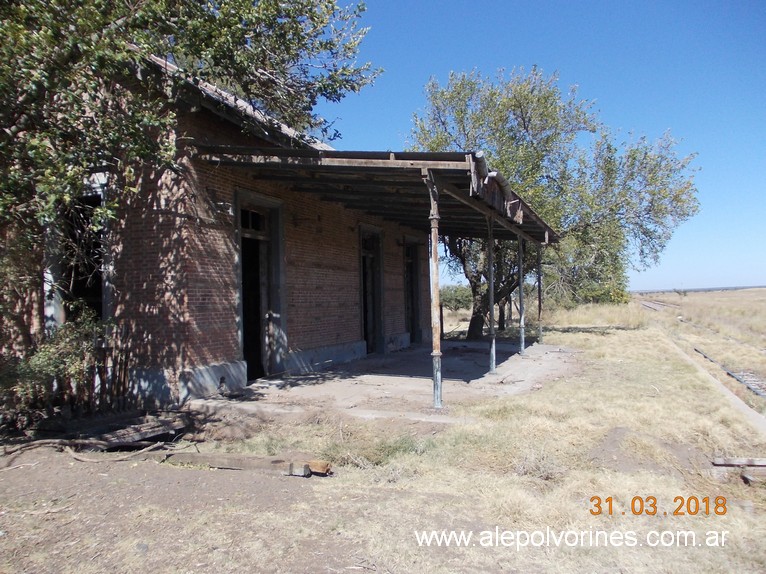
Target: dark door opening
371 323
84 276
262 327
412 293
253 301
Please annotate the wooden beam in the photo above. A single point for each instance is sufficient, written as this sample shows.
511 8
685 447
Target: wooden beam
146 430
522 342
352 180
491 293
539 294
754 475
230 461
246 160
372 199
307 152
739 461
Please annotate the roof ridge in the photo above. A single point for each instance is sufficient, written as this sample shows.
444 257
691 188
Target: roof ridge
238 105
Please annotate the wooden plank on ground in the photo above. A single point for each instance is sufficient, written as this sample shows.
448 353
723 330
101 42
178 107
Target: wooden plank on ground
755 475
146 430
230 461
739 461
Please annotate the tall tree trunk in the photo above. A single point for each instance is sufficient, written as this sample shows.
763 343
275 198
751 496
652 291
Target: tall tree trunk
501 315
478 313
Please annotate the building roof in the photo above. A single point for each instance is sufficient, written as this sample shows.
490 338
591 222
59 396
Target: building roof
394 186
236 110
391 185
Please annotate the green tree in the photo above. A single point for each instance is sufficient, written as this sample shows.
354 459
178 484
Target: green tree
455 297
78 104
615 206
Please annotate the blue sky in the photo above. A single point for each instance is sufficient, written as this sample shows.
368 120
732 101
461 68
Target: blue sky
697 69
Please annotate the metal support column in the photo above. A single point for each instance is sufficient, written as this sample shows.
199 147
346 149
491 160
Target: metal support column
539 293
436 353
522 343
491 293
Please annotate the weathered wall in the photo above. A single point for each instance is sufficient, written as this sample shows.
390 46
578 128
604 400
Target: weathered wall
177 277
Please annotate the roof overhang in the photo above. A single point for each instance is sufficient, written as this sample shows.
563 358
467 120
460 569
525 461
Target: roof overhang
392 185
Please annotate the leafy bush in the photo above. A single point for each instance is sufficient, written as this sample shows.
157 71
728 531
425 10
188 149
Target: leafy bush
60 371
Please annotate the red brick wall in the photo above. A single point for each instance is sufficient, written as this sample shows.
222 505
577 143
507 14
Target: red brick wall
149 298
177 282
322 269
211 291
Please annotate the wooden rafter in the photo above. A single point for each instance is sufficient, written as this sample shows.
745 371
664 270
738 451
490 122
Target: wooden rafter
390 185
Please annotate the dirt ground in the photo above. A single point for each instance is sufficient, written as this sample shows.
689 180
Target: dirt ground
62 515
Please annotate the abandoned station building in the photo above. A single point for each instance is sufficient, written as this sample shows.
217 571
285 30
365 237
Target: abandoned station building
265 254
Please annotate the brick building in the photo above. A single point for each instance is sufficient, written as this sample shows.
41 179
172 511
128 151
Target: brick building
264 253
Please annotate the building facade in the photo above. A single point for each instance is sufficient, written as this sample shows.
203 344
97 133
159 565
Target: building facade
218 278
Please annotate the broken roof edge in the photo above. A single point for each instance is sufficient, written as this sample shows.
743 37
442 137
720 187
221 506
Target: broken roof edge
510 195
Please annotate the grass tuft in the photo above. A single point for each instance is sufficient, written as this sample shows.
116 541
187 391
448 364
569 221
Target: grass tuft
369 451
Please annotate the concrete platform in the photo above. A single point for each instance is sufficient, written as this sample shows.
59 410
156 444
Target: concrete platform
399 385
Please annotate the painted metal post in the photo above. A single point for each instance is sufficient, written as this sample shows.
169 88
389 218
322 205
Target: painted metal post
539 293
491 294
522 343
436 353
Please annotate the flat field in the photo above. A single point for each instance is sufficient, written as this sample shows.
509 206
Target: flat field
603 467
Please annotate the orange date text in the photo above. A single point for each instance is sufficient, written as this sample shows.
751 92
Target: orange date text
648 506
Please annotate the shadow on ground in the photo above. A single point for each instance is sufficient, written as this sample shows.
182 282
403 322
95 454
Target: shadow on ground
463 361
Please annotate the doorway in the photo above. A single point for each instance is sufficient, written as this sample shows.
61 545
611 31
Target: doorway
412 293
255 291
372 325
84 277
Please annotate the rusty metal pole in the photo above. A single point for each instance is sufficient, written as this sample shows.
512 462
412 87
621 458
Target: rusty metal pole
491 294
436 353
521 297
539 293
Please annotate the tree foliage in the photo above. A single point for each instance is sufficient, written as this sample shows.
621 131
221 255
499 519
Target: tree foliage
80 107
615 205
455 297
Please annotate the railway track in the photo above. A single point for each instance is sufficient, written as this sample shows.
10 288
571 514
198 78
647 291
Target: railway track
746 378
750 380
659 305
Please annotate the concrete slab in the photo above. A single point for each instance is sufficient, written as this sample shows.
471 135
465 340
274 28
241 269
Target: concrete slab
399 385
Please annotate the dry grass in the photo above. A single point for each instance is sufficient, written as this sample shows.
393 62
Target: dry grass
532 462
737 315
630 316
634 418
637 419
456 322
